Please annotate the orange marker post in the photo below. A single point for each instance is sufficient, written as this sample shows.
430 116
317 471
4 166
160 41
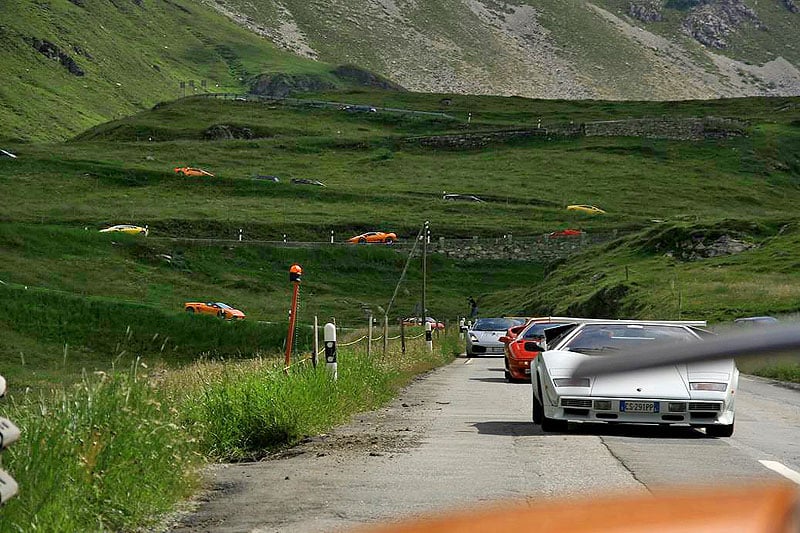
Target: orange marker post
295 271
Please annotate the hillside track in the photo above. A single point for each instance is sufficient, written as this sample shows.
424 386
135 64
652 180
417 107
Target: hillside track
461 436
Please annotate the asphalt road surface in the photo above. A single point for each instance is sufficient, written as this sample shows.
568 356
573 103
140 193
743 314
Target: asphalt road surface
461 436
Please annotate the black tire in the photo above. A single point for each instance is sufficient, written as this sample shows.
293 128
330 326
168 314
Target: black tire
508 376
388 240
537 413
221 314
362 240
551 425
190 310
723 431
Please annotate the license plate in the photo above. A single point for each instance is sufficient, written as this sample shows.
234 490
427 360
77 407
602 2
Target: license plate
638 407
527 371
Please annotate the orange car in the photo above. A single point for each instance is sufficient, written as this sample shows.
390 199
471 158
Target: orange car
374 236
191 171
219 309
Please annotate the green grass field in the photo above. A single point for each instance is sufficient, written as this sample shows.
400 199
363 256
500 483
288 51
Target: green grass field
83 305
378 176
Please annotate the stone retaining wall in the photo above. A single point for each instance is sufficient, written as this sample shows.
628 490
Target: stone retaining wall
541 249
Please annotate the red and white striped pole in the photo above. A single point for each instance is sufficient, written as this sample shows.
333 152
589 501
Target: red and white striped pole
295 271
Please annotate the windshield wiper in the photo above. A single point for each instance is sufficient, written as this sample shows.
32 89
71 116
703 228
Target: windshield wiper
589 351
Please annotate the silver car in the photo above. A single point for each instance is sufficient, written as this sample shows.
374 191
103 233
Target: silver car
483 337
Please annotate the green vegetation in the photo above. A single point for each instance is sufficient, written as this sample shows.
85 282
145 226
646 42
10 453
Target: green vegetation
95 299
137 55
252 408
102 455
98 302
99 456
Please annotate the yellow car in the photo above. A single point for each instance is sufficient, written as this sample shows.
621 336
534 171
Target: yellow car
591 209
126 228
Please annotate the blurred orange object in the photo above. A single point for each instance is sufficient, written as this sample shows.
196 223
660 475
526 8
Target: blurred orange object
749 509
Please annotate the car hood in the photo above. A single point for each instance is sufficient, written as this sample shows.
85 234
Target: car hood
664 382
488 336
235 312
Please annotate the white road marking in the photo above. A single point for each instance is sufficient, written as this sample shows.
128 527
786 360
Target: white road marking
783 470
468 361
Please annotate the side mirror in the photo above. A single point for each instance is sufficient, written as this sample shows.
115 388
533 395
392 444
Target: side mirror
531 346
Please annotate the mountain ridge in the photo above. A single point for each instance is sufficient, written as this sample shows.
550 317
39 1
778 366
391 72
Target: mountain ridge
601 49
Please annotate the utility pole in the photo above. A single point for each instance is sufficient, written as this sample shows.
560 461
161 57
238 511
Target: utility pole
425 237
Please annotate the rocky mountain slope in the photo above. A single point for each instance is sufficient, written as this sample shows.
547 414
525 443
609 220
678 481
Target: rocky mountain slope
614 49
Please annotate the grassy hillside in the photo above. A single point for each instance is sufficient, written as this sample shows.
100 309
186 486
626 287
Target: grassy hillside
136 55
379 175
652 275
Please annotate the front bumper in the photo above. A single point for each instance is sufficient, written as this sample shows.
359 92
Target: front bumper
477 348
694 412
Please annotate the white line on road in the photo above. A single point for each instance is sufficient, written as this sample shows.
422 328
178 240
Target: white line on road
783 470
468 361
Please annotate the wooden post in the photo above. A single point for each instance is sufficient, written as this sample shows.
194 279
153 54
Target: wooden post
369 337
316 342
385 334
402 337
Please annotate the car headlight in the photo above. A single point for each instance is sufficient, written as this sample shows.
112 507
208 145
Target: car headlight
473 338
708 385
571 382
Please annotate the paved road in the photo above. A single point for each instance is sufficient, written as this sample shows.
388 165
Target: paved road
462 435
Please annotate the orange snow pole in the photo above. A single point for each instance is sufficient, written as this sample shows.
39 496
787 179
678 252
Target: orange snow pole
295 271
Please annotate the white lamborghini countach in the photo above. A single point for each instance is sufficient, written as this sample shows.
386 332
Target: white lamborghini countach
698 394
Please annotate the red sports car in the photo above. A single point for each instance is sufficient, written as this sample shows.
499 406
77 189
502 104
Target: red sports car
521 350
569 232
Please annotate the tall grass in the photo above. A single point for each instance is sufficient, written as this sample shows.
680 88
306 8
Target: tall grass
243 410
116 450
106 454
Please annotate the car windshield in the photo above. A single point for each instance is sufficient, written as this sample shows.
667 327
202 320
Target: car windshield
536 331
602 338
223 306
495 324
